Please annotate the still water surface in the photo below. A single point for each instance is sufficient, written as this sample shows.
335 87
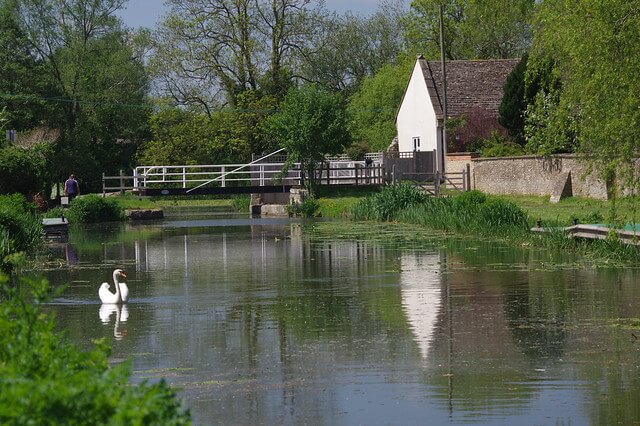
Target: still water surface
279 322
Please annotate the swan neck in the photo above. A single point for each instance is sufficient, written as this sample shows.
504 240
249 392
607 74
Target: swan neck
116 283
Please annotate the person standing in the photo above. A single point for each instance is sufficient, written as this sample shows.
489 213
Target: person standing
71 187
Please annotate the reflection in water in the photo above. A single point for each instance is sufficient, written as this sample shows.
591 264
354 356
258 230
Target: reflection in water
421 288
122 315
264 323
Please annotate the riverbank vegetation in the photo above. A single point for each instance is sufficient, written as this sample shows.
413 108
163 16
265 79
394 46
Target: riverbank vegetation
47 380
476 214
20 231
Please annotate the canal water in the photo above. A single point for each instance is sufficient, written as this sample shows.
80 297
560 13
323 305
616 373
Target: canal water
273 321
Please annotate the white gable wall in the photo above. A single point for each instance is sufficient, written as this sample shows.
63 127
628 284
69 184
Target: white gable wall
417 118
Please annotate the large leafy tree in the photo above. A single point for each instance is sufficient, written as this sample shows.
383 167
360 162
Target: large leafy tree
594 46
354 47
99 78
23 81
206 53
474 29
372 109
311 123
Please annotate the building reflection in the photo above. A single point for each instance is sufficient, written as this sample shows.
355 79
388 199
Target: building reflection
421 288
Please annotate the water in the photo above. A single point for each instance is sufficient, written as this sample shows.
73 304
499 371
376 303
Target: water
277 322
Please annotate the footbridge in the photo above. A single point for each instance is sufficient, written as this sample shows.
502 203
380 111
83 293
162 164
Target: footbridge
263 175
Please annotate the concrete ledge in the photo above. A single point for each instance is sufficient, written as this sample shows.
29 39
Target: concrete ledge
273 210
144 214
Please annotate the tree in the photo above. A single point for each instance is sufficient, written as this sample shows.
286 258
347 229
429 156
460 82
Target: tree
311 124
372 109
207 53
187 137
474 29
100 82
354 47
594 45
513 104
22 85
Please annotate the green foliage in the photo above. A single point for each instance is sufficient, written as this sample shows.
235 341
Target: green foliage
513 104
372 109
498 146
385 205
93 208
357 150
98 85
23 79
471 212
354 47
184 137
240 203
21 171
310 207
49 381
20 229
474 29
594 44
549 121
310 124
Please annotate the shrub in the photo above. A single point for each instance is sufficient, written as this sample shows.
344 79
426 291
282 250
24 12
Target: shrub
21 171
46 380
20 229
308 208
93 208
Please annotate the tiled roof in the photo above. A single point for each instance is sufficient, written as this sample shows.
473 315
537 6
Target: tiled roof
471 84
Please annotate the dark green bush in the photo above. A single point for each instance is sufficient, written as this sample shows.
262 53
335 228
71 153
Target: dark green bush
20 228
21 171
45 380
93 208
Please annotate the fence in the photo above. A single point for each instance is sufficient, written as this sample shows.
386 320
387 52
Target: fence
188 177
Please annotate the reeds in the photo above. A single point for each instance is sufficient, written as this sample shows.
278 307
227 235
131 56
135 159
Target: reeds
474 213
471 212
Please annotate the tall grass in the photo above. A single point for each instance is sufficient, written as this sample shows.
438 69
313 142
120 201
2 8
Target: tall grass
475 213
471 212
20 229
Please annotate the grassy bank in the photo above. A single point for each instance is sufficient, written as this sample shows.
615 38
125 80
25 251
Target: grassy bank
585 210
476 214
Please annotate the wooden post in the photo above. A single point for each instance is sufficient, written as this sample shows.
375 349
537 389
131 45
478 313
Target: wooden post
356 172
104 189
222 170
121 182
468 181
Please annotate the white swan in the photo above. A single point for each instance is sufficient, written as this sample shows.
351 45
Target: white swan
122 291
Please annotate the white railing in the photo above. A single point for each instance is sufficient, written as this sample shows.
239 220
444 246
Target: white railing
222 174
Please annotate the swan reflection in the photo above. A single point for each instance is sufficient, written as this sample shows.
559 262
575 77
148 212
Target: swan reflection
421 296
122 314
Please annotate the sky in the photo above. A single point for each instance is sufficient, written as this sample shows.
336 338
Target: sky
145 13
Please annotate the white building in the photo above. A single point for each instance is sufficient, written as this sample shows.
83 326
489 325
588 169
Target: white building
474 93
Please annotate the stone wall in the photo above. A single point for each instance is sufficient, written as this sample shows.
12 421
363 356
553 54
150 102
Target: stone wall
534 175
456 162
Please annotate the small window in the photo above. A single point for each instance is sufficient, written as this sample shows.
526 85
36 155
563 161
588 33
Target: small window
416 143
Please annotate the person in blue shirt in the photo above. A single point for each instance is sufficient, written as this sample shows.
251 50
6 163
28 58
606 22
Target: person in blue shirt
71 187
